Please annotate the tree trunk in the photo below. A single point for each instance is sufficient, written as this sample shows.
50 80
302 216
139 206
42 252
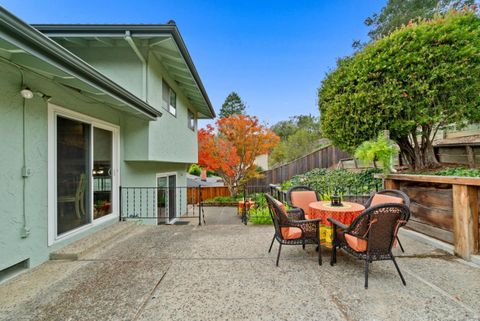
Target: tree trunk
418 155
429 156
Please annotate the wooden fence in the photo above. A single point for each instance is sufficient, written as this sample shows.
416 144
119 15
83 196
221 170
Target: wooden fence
207 193
325 157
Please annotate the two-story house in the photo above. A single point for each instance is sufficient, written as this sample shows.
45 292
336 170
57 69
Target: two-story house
85 109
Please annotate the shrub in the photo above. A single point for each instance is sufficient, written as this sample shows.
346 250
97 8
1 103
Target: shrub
324 181
260 215
412 82
380 149
195 169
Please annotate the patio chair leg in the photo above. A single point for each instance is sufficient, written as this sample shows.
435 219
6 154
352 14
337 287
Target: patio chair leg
279 249
366 273
319 253
303 244
400 244
333 258
271 244
398 270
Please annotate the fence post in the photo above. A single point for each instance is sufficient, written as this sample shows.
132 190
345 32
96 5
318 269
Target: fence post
244 213
120 205
200 205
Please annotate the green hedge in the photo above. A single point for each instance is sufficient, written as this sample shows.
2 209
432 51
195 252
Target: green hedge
324 181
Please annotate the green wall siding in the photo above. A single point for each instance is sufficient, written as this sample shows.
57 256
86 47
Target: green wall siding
134 139
168 139
120 64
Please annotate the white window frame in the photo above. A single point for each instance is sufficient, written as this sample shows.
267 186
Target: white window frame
53 112
169 107
194 114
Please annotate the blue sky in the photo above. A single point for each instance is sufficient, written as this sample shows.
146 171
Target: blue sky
273 53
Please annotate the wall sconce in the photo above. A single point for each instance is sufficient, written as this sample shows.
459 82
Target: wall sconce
26 93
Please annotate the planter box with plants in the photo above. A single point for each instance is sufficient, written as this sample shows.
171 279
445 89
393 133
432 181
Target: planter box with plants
443 207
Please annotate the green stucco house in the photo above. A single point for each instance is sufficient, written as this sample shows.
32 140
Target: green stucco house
85 109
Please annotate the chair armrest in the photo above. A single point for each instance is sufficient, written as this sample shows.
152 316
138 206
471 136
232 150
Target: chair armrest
337 223
296 213
310 228
314 221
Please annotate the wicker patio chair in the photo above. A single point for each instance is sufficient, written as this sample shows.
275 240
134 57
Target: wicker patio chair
371 235
292 232
298 198
389 196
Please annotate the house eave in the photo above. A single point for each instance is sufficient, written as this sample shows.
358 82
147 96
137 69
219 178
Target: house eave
37 44
135 30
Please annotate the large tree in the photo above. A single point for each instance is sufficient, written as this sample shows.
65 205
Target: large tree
412 82
400 12
233 105
231 148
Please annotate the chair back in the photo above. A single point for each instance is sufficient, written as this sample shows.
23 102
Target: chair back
277 213
301 196
379 226
388 196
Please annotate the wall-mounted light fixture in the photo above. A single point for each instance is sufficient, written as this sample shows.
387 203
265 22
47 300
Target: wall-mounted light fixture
26 93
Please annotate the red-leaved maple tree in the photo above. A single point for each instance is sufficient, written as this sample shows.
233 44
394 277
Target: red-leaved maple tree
232 147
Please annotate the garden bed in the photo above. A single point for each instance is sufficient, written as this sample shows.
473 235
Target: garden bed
443 207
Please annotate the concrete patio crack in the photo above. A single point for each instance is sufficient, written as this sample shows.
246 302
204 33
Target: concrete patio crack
149 296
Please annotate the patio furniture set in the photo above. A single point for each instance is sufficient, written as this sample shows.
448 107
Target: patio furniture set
367 232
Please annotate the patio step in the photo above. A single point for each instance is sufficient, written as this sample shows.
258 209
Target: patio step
78 249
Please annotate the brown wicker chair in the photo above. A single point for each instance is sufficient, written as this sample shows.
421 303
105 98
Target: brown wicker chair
389 192
296 205
292 232
377 226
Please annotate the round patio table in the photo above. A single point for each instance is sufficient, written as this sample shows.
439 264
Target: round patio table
344 214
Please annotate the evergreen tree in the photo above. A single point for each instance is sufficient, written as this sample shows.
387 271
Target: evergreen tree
233 105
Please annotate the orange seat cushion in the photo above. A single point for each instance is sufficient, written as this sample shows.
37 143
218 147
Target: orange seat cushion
356 243
291 233
302 199
382 199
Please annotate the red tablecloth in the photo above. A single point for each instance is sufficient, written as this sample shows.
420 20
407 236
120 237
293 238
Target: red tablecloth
344 214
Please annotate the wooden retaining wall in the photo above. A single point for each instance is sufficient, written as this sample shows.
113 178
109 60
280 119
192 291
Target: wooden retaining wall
444 207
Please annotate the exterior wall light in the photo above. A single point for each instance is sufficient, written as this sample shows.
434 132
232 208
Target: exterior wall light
26 93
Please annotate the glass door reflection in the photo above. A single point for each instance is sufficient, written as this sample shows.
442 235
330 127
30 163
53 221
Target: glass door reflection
102 172
73 166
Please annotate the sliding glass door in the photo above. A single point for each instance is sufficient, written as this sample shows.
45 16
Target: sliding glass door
73 171
85 172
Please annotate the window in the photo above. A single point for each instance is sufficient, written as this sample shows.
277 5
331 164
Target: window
192 120
169 99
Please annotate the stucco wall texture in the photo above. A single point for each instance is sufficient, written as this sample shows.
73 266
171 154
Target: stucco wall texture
146 148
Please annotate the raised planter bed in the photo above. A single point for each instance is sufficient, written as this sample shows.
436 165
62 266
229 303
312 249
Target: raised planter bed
443 207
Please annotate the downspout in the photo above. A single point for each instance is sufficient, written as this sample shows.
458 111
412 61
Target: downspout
129 40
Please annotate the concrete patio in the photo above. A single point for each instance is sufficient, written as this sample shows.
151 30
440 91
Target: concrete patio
223 272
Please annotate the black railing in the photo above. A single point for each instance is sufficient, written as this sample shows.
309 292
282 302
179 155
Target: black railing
161 204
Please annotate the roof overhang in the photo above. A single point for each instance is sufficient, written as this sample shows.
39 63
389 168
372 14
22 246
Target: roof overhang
163 40
28 48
